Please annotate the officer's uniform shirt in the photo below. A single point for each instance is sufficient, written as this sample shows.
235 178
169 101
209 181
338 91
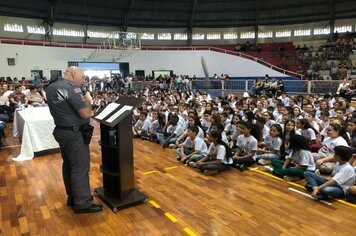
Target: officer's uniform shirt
65 99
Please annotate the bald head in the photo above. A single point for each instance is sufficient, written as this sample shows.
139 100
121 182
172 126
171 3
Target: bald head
75 74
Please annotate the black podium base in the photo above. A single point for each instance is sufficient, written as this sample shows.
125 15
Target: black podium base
114 203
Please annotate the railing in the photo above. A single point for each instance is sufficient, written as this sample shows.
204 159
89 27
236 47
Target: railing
235 85
162 48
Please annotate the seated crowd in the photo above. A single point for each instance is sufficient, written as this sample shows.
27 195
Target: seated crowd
293 139
15 95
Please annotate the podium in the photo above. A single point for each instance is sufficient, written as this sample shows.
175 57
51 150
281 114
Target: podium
117 155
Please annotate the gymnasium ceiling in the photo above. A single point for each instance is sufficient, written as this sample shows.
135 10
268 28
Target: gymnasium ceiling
179 13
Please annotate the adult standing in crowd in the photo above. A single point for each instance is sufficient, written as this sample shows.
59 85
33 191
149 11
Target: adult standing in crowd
71 111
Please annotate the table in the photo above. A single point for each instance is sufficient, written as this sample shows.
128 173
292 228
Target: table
34 126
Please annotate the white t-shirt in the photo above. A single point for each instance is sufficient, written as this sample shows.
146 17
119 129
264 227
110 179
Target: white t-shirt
197 144
273 143
269 123
329 144
230 128
315 125
218 152
4 99
265 131
304 158
308 134
143 125
344 175
246 144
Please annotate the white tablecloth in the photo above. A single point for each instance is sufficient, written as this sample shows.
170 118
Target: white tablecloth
34 126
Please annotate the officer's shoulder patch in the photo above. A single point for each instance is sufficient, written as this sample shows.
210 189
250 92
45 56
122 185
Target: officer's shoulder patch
77 90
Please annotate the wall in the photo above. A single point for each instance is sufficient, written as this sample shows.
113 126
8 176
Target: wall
181 62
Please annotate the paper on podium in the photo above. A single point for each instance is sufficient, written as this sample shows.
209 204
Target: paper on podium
108 109
119 112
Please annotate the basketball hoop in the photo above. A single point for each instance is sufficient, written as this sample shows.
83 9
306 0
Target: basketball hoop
116 47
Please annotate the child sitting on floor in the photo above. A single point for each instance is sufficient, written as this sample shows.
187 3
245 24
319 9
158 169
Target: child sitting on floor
342 178
142 126
218 158
247 145
299 160
193 148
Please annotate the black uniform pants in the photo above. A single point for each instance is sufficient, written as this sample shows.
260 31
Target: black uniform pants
76 164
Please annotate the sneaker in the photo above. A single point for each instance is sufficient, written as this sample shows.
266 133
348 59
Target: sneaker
264 161
267 169
179 158
237 166
317 171
171 145
242 168
193 164
210 172
291 178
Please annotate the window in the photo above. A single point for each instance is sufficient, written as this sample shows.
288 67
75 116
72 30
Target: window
283 33
68 32
303 32
97 34
13 27
180 36
266 34
131 35
230 35
343 29
198 36
212 36
36 29
321 30
147 36
124 35
247 35
164 36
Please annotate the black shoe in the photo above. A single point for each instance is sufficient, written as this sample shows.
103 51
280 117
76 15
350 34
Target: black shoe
309 189
91 209
242 168
179 158
237 166
70 201
321 196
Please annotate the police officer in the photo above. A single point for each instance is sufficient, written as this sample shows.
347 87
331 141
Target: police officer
71 111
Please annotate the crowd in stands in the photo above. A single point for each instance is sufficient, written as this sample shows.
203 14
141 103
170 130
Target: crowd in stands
330 61
333 57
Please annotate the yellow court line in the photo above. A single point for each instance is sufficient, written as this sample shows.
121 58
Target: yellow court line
189 232
170 168
153 203
149 172
297 185
267 174
171 217
346 203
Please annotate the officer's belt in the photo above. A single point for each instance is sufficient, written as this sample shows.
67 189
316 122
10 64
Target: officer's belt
75 128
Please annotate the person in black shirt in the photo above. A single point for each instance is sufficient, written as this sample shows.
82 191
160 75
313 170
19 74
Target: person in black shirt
71 110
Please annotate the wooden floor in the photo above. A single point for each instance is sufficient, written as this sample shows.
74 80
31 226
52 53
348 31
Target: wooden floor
182 201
